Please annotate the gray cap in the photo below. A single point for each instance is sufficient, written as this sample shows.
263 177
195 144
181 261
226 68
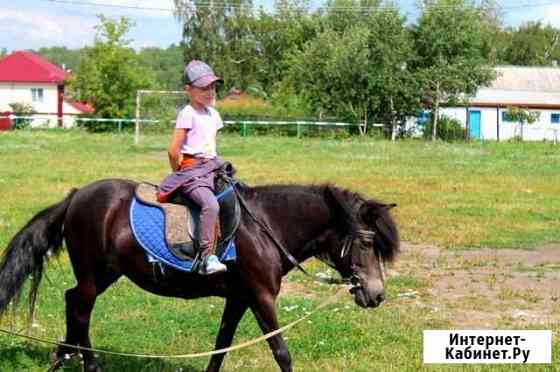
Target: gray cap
199 74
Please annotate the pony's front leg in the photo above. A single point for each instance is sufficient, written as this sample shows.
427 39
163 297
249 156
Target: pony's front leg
233 312
264 309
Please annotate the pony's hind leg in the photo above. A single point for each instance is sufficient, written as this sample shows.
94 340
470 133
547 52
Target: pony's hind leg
80 301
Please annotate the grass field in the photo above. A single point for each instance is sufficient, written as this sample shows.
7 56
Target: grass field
449 195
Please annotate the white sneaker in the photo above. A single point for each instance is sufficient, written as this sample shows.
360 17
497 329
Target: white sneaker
213 266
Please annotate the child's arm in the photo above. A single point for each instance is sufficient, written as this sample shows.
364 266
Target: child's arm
174 152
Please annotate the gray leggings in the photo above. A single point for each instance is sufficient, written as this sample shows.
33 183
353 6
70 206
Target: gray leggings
209 211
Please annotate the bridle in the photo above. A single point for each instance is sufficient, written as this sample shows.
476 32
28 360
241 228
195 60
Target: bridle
348 247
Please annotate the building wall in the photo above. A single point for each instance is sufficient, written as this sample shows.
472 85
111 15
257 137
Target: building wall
21 93
494 127
47 110
542 129
488 130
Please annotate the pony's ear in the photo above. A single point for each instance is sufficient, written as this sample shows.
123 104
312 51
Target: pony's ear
371 210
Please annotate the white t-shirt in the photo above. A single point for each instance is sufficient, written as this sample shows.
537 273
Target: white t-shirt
202 126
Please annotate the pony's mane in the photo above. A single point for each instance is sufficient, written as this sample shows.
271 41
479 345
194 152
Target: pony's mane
387 237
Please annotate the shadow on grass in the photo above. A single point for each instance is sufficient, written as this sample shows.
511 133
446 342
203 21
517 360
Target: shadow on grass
37 358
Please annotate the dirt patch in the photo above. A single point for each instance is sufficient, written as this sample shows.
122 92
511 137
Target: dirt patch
487 288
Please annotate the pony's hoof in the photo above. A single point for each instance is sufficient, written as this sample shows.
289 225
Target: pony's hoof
56 362
59 355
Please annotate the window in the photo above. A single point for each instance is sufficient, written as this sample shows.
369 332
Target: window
37 94
555 118
506 118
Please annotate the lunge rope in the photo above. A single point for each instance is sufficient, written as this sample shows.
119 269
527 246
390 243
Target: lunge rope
334 298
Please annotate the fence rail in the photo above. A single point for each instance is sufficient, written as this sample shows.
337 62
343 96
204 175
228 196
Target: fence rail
42 120
530 133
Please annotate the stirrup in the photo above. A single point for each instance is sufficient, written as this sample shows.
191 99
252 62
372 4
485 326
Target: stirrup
211 265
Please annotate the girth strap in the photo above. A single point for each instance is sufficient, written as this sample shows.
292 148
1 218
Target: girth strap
269 233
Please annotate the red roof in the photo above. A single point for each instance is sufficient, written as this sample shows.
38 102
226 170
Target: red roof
82 106
28 67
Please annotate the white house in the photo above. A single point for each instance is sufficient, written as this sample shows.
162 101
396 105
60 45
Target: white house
530 88
28 78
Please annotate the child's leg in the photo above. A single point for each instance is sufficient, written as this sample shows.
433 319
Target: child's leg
209 210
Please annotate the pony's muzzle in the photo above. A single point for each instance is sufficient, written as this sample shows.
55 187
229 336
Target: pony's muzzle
369 296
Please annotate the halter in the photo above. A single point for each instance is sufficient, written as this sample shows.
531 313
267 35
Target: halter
367 235
347 245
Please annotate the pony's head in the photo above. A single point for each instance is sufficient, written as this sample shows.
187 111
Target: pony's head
364 237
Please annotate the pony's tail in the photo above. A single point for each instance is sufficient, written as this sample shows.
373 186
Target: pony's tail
26 252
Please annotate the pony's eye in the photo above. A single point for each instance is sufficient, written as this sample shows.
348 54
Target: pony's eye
366 242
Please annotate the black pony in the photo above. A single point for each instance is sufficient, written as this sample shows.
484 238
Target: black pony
352 234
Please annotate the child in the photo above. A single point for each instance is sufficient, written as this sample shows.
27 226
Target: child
193 159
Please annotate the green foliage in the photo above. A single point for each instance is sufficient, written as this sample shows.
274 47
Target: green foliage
21 109
323 63
109 73
244 107
278 36
356 67
62 56
532 44
288 103
522 116
448 129
166 65
223 36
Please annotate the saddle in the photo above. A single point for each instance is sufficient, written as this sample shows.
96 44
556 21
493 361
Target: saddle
182 215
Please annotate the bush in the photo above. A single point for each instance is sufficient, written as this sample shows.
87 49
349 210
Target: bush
21 109
242 106
448 129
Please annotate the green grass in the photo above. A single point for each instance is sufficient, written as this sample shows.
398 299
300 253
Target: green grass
452 195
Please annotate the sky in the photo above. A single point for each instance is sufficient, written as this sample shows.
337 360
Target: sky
31 24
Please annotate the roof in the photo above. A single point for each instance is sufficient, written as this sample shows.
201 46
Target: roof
531 87
81 106
28 67
531 79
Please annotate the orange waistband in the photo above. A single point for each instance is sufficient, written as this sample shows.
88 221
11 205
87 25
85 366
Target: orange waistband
190 161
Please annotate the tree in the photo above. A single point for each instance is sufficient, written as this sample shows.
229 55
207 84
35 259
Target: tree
533 44
109 73
390 52
3 52
495 39
166 65
449 56
62 56
22 109
278 36
522 116
221 34
357 67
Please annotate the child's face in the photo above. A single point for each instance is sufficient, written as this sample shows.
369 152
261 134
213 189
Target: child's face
202 97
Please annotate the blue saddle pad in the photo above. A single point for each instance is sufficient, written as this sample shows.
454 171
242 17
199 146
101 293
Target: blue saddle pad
147 223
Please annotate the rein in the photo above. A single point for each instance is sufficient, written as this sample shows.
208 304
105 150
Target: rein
267 231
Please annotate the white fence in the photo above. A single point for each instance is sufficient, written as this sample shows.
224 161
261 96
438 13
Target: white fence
51 121
67 122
